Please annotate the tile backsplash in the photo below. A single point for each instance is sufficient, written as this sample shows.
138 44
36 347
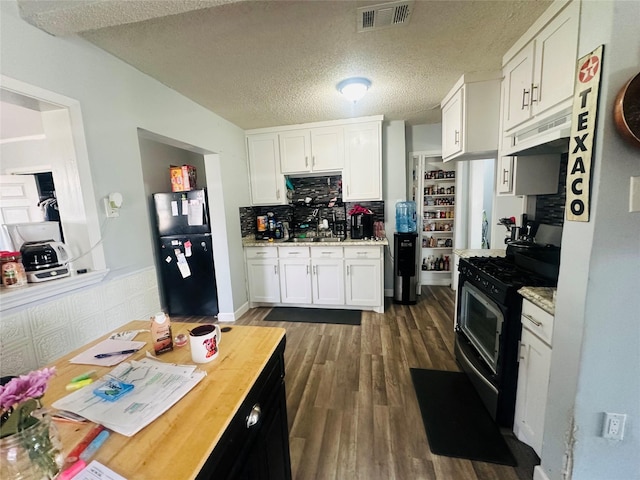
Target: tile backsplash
321 191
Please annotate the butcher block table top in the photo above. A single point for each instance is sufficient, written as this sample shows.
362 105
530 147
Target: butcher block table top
176 444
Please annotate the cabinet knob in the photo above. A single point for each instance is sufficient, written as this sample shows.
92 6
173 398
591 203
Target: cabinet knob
456 138
505 176
254 415
306 161
313 161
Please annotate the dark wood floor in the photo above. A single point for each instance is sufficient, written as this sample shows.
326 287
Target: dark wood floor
351 406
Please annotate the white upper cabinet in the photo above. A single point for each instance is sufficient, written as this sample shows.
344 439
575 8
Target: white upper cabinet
452 124
539 76
471 117
267 183
362 173
351 148
312 150
528 175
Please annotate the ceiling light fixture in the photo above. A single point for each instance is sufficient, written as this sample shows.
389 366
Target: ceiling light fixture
354 88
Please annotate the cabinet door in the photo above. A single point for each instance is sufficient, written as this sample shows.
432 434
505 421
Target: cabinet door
556 50
533 386
264 285
328 281
363 162
267 184
295 280
363 282
504 175
327 149
518 74
295 151
452 114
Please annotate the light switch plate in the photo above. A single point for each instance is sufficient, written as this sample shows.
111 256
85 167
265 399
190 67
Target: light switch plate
634 194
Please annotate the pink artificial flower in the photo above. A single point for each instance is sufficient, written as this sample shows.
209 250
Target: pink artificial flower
25 387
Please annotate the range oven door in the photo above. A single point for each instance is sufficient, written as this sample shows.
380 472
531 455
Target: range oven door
481 321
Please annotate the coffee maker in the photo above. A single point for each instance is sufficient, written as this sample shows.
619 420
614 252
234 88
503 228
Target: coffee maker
362 226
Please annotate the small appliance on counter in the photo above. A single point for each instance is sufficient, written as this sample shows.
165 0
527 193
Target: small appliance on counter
45 260
361 226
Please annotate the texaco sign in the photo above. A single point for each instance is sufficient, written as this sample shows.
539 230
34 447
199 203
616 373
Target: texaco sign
583 127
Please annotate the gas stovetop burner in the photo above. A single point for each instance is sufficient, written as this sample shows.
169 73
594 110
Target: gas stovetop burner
505 272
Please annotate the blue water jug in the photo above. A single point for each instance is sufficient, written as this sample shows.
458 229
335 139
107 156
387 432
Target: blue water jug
406 217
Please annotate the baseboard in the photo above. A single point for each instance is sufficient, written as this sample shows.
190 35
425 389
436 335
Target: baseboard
232 317
538 473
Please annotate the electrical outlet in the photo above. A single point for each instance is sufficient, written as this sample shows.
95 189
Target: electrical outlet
613 427
109 210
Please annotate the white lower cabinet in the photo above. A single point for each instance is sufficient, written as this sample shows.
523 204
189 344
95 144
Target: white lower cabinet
533 375
295 284
363 276
327 279
263 275
323 276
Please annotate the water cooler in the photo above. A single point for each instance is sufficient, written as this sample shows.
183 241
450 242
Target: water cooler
405 242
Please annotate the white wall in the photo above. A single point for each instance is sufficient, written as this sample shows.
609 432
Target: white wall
425 138
116 100
595 365
394 174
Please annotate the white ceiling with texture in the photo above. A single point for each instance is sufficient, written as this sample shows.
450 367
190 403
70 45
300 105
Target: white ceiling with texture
277 62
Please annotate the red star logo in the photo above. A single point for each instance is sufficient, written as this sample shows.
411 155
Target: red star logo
589 69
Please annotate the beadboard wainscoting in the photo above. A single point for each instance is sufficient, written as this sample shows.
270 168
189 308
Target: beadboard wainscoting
35 336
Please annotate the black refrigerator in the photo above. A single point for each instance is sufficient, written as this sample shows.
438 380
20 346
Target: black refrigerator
185 253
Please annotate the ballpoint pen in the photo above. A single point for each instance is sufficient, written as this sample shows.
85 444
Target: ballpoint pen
113 354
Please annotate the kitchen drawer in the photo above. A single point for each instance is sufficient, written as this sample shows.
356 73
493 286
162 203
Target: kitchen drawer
537 321
293 252
326 252
362 252
261 252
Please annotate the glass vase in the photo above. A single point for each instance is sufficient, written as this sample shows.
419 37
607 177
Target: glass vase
33 453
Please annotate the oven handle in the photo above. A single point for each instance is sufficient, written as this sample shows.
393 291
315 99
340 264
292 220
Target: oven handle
532 320
477 372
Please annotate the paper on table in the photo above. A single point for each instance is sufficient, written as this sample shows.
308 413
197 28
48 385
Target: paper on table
157 387
107 346
97 471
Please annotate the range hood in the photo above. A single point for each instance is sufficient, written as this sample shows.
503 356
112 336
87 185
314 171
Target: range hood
552 136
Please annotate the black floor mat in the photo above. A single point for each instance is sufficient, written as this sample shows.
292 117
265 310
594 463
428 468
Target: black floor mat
314 315
456 421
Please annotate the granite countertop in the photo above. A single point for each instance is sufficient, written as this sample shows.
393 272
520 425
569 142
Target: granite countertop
543 297
252 242
467 253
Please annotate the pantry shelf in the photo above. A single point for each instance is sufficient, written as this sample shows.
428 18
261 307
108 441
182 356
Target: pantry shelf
434 191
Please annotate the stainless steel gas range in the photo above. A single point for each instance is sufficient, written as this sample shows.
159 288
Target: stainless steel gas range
488 328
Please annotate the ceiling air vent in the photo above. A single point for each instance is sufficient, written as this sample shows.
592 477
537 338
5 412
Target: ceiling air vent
384 15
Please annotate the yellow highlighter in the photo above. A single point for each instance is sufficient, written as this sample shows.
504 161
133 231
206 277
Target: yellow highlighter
80 384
